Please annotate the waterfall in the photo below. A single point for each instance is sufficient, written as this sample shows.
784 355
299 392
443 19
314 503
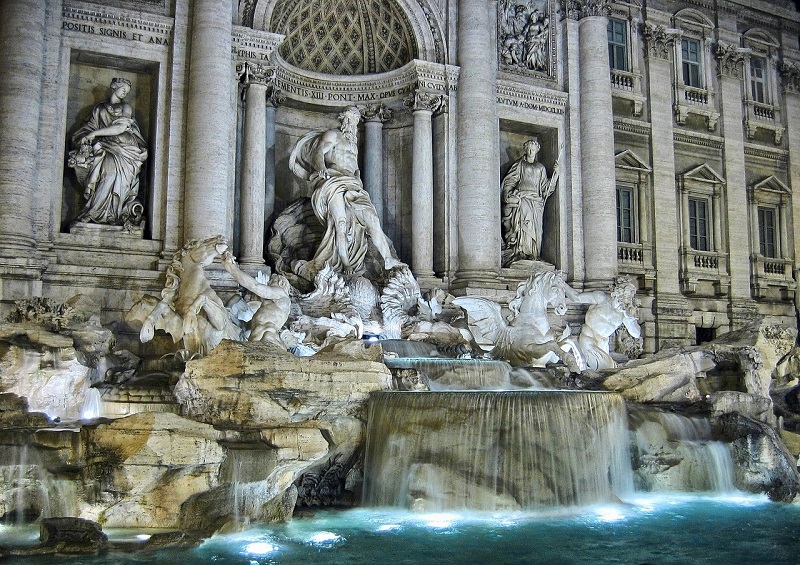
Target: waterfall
496 450
673 452
457 374
92 404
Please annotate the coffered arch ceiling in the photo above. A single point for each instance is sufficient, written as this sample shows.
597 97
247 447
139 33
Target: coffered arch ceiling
348 37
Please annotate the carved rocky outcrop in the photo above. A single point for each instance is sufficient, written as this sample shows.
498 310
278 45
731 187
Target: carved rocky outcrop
145 466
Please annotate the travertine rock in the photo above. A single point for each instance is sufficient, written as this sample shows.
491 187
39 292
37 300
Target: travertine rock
259 385
147 465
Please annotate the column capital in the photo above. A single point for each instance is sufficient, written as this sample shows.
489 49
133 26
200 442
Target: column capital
275 97
731 59
579 9
249 73
659 40
422 100
376 113
790 73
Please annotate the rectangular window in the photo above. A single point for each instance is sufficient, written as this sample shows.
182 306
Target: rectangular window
766 232
690 54
698 224
617 45
757 79
625 215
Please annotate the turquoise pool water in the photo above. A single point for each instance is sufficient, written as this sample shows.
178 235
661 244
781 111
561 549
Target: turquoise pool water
659 530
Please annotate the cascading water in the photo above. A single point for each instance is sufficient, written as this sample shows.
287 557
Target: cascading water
496 450
673 452
92 404
457 374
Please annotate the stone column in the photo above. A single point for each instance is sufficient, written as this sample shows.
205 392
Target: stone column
423 105
274 99
254 148
670 308
730 63
790 75
375 115
22 29
597 147
479 240
209 123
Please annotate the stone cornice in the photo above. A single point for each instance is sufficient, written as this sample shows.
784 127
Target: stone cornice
116 23
699 140
775 155
731 59
530 97
578 9
659 40
635 127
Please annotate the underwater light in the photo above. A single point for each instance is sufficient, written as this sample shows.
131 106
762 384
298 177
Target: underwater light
260 548
440 520
610 514
325 539
142 537
389 527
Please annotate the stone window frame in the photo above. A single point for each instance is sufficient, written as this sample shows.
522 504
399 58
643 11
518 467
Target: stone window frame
764 115
636 258
771 274
689 100
703 272
627 84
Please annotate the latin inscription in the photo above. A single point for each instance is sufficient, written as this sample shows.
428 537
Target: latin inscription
115 33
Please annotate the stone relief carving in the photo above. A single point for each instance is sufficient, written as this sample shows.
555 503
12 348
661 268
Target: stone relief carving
523 34
108 156
328 160
731 59
421 100
659 40
790 72
525 190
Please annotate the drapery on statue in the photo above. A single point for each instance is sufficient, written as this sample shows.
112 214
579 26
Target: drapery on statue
603 317
328 159
525 190
109 155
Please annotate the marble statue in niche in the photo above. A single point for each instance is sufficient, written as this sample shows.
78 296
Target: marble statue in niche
328 160
525 190
108 156
524 29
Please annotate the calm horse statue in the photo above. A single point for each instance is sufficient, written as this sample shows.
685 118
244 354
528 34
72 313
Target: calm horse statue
526 338
189 308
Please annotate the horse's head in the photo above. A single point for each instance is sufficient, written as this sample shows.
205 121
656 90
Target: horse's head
204 252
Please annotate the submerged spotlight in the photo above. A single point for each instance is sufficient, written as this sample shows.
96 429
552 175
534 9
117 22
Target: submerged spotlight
260 548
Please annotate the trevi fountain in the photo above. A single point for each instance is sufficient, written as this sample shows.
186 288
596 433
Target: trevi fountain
321 400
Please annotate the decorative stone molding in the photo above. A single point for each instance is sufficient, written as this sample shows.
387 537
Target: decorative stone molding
376 113
149 29
579 9
530 98
697 139
632 126
659 40
731 60
275 97
421 100
790 73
